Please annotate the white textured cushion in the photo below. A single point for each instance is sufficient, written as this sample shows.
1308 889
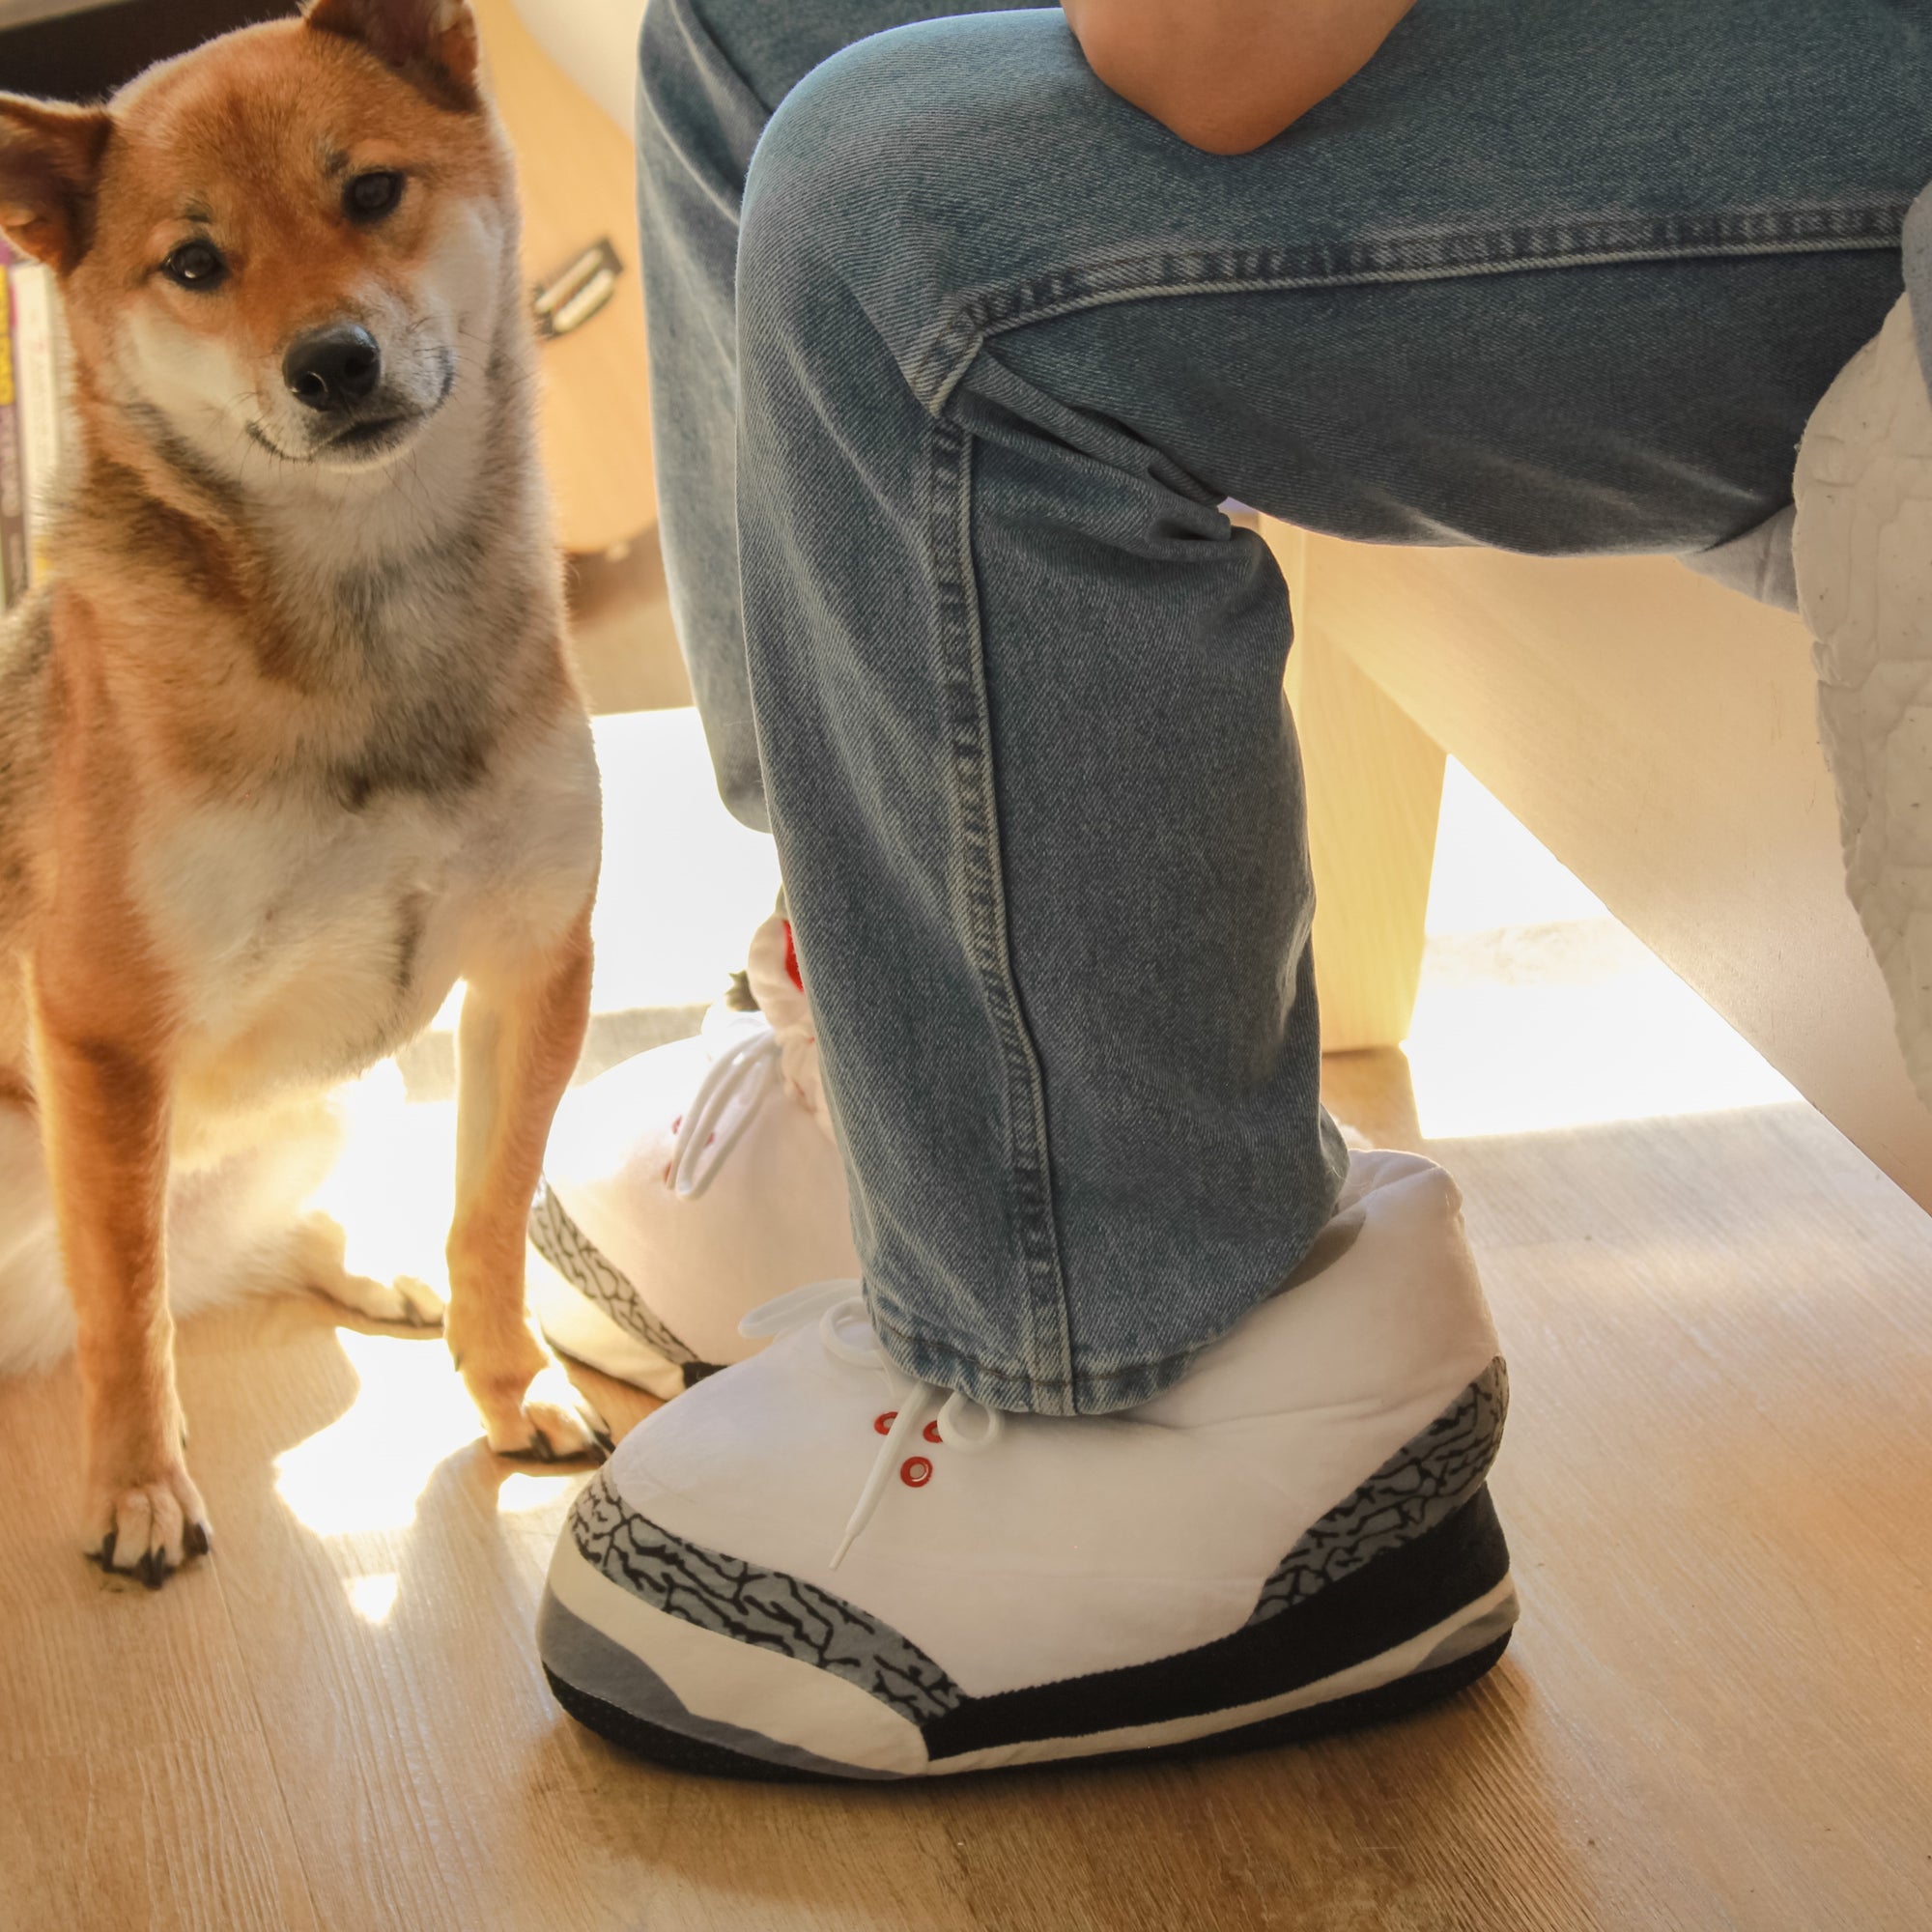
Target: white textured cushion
1863 547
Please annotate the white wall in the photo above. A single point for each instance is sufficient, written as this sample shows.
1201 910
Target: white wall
594 42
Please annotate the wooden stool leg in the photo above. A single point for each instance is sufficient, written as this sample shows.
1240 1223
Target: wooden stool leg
1375 786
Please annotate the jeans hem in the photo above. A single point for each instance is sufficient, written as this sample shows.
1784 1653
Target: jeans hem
936 364
1016 1391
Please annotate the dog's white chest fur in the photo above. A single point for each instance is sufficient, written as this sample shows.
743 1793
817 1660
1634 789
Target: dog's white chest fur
257 900
315 938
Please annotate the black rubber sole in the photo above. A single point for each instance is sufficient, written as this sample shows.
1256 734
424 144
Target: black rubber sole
1381 1705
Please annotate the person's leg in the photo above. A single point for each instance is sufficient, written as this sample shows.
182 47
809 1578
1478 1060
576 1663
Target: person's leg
1005 345
692 1182
702 104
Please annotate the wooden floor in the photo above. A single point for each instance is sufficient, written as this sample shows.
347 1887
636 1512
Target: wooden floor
1717 1712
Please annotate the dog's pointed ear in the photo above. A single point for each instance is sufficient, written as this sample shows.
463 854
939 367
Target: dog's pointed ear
431 42
49 166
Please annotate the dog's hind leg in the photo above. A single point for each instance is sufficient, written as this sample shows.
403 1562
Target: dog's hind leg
519 1037
235 1212
318 1258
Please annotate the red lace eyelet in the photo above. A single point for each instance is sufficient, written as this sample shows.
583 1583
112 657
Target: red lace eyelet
931 1432
884 1423
915 1472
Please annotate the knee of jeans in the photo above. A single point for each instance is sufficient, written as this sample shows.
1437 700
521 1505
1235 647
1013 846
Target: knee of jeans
823 183
871 170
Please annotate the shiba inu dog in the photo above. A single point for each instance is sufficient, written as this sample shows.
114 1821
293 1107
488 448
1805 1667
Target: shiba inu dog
289 739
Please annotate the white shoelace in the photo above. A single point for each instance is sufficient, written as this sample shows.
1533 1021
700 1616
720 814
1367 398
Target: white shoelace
838 1307
746 1070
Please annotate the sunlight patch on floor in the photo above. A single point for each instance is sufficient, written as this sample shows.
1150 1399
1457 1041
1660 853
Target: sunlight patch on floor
521 1493
366 1469
1539 1011
373 1598
394 1184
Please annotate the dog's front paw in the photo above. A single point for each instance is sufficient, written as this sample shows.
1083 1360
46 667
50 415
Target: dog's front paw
550 1422
147 1526
526 1400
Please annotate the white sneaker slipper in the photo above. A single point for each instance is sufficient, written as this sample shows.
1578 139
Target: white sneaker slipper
688 1186
1295 1537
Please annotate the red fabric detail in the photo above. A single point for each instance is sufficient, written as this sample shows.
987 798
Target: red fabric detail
791 959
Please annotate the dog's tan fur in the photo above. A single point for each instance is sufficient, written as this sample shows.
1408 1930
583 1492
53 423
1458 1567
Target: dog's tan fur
288 743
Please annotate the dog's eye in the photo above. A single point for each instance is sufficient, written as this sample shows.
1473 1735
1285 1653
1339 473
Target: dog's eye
370 197
196 265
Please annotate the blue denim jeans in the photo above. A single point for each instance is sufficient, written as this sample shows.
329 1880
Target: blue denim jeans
956 355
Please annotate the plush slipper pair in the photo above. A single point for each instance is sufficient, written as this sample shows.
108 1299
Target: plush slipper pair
813 1565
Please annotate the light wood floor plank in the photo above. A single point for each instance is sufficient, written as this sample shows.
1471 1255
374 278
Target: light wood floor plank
92 1663
173 1832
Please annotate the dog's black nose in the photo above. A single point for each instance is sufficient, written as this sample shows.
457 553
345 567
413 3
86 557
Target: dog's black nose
331 368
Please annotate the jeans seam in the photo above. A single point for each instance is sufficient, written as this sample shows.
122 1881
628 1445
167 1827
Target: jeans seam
970 749
937 363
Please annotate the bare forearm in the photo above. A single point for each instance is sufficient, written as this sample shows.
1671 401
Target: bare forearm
1229 75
